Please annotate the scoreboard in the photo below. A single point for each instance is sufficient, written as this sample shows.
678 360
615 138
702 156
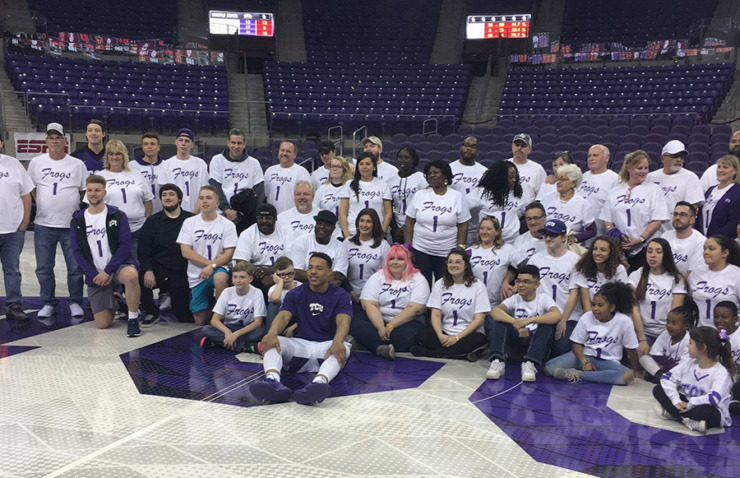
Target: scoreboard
241 23
497 26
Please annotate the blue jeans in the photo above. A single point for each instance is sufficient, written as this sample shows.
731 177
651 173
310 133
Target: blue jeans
11 246
45 241
607 371
217 336
505 342
563 345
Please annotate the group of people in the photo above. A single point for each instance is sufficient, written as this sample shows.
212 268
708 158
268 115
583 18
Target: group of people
559 272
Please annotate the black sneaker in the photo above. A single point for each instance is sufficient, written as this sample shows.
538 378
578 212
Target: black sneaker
251 347
735 407
15 312
149 320
133 328
206 343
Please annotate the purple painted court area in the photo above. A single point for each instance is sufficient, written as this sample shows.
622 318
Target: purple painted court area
569 425
179 368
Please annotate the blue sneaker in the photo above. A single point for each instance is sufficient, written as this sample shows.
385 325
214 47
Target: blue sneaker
133 328
312 394
270 391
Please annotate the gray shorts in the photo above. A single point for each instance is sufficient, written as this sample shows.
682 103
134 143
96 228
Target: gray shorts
101 298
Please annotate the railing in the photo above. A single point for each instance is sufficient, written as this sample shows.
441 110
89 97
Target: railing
385 118
356 142
433 128
331 135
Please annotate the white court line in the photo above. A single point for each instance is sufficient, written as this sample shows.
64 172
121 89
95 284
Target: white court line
498 394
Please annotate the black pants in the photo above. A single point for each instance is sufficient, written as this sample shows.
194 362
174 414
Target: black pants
428 339
708 413
178 290
430 265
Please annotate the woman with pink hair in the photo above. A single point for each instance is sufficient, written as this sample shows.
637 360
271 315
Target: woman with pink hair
393 300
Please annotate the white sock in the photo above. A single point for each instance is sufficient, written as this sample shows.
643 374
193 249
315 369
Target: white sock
320 379
649 364
329 369
272 361
133 315
272 376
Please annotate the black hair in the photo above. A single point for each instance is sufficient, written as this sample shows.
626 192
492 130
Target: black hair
468 276
567 157
689 312
691 207
150 135
668 265
412 152
717 349
530 269
237 132
171 187
325 257
618 294
728 304
535 205
495 183
354 185
442 166
727 244
326 145
377 232
588 267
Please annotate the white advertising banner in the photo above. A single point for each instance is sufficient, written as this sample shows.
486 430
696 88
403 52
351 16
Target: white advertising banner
30 145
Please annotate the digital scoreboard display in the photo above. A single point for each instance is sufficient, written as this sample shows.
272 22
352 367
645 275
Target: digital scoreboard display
241 23
497 26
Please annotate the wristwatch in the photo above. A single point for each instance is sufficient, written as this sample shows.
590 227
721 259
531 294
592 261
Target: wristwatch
214 266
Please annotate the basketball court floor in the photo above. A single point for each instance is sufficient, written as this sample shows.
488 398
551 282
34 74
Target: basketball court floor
80 402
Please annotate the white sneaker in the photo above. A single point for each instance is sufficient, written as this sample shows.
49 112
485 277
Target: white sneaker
46 311
695 425
165 302
529 372
662 413
496 369
76 310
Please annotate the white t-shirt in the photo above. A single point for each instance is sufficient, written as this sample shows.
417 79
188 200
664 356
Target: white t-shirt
662 347
490 267
508 215
280 183
595 189
188 174
709 178
395 296
578 280
387 172
437 217
646 203
709 288
680 186
364 261
735 345
703 386
658 299
326 198
466 178
295 223
712 200
259 249
402 192
519 308
555 278
58 184
235 176
238 309
459 304
282 296
530 173
300 251
97 238
14 183
128 190
371 195
208 238
605 340
576 213
688 254
150 172
529 245
319 177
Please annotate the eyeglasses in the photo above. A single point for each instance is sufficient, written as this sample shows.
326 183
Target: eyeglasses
562 180
285 275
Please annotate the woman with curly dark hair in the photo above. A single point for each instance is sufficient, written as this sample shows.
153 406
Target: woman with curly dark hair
500 194
601 264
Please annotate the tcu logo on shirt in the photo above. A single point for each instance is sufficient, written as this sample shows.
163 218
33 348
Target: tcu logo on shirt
440 209
558 277
50 173
367 257
460 302
387 289
315 308
230 173
200 234
713 291
113 223
185 174
593 337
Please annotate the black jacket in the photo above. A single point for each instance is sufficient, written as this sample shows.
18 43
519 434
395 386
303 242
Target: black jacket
158 247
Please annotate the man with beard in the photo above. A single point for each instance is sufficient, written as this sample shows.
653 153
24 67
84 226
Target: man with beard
161 263
686 243
676 182
261 244
466 173
298 221
280 180
322 240
709 178
531 174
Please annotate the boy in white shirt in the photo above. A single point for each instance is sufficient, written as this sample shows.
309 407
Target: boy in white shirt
238 316
187 172
207 241
525 322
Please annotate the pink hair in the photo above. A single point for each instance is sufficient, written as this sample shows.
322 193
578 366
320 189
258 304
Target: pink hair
399 251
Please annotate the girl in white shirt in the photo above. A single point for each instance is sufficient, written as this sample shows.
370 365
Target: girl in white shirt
601 264
725 318
671 346
459 304
365 191
366 251
697 391
393 300
718 279
599 339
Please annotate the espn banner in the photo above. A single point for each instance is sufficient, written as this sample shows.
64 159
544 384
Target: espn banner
30 145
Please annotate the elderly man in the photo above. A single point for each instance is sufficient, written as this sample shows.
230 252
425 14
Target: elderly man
677 183
298 220
280 180
597 182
